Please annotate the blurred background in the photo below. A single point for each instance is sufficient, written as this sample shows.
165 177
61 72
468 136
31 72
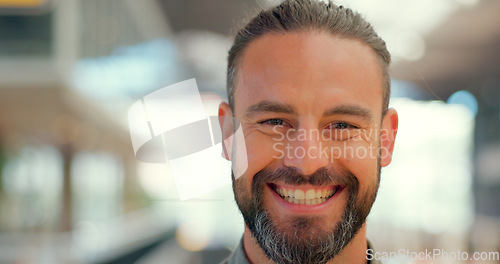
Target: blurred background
71 190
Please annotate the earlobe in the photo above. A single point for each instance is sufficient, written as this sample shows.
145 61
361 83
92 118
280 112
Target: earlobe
227 128
388 136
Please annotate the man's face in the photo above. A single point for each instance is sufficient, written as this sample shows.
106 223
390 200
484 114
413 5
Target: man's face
310 105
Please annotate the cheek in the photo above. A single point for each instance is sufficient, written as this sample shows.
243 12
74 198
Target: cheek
361 159
261 151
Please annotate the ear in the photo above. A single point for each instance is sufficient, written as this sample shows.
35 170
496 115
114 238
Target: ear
388 133
227 128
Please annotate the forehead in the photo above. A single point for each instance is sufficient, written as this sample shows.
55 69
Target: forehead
313 67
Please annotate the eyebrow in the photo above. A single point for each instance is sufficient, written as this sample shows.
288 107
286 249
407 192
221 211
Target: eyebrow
276 107
269 106
353 110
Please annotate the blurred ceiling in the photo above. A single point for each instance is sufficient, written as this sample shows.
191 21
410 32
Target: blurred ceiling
460 53
218 16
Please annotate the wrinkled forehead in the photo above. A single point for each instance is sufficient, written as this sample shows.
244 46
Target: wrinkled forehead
308 66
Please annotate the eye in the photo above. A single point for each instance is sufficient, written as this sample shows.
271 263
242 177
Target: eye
273 122
342 126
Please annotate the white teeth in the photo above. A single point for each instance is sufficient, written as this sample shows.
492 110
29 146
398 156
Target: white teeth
310 194
299 194
308 197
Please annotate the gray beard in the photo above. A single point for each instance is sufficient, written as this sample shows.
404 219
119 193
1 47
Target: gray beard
305 243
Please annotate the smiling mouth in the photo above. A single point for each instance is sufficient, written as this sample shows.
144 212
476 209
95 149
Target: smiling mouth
307 197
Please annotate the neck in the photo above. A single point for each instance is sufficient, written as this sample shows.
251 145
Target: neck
354 252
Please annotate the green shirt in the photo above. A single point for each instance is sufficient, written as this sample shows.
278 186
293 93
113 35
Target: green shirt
239 257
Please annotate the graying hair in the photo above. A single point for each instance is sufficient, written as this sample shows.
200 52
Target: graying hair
304 241
308 15
283 250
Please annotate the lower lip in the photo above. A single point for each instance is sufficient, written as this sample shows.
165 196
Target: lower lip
303 208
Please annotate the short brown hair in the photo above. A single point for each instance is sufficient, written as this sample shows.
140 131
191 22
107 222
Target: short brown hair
302 15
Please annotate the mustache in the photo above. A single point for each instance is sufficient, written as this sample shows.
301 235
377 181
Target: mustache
292 176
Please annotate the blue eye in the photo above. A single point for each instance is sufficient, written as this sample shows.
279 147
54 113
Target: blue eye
273 122
343 125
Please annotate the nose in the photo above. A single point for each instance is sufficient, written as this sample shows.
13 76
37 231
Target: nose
305 151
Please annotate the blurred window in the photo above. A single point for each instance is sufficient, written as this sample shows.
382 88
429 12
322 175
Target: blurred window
26 35
32 182
428 185
97 184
